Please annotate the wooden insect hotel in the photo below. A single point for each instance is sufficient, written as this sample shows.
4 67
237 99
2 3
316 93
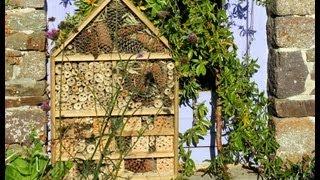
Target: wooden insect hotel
116 71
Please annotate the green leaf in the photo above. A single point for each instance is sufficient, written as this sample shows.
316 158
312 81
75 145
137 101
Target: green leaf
21 165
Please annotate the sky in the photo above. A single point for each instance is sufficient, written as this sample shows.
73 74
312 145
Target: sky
258 51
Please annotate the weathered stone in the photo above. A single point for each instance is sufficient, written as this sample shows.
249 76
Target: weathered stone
27 3
25 87
291 32
292 7
296 137
9 71
287 73
22 41
293 108
21 121
37 41
32 66
17 41
313 92
312 73
310 55
26 19
13 57
24 101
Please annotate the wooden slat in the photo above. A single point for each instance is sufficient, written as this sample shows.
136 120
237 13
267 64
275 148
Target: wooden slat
145 177
101 112
114 57
81 26
52 97
146 21
154 132
116 156
176 126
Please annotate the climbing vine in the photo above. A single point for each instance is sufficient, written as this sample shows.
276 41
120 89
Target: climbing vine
206 57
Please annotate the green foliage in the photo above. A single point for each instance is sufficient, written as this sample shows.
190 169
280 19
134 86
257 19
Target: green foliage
202 43
192 136
32 163
28 163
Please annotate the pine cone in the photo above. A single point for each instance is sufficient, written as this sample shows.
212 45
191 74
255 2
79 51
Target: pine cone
129 45
104 38
151 43
130 29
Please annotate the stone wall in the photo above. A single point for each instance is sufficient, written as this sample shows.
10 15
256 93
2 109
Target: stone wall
25 69
291 82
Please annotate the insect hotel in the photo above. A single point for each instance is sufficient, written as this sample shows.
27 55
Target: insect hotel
114 94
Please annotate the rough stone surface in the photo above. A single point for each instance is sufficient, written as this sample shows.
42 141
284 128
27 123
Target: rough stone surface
22 41
287 73
313 92
37 41
27 3
25 87
24 101
32 66
17 41
9 71
291 32
296 137
21 121
312 74
293 108
310 55
13 57
292 7
23 20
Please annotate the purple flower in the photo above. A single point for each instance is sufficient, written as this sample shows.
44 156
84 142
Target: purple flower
53 34
45 106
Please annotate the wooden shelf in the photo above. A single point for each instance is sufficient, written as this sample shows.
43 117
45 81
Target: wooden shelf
135 155
113 57
156 176
116 112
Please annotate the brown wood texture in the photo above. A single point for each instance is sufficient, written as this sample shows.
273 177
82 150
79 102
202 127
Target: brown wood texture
115 57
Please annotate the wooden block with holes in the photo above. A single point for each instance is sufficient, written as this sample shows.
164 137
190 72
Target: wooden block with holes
115 77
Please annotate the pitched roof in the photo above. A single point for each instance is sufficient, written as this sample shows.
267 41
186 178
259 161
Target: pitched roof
98 10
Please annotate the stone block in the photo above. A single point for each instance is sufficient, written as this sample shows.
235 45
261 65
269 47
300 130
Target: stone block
21 121
293 108
24 101
25 87
23 41
313 92
291 32
296 137
33 65
37 41
27 3
310 55
28 19
292 7
9 71
13 57
312 73
287 73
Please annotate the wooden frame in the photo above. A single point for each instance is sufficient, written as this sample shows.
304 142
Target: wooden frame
58 56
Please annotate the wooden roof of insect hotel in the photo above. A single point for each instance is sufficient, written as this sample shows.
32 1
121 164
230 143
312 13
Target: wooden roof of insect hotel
127 32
